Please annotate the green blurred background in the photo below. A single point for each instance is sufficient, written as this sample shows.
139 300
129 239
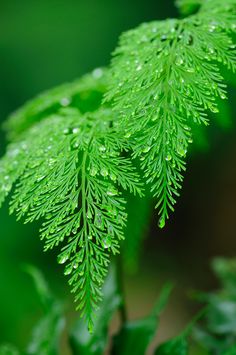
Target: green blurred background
47 42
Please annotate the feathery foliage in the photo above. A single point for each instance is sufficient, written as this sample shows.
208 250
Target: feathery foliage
70 172
69 157
164 76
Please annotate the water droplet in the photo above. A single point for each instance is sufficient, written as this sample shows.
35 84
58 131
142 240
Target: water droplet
187 128
106 242
104 172
65 101
97 73
168 157
127 135
66 131
181 151
179 61
75 265
81 273
62 259
212 28
161 222
113 177
146 149
40 178
223 96
102 148
76 144
75 130
68 270
190 70
213 109
51 161
190 140
112 192
139 67
89 214
93 171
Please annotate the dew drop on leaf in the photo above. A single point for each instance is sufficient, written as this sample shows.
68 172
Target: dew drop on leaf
181 151
214 109
68 270
97 73
75 130
89 214
106 242
65 101
146 149
179 61
104 172
113 177
93 171
161 222
62 259
112 191
168 157
40 178
66 131
102 148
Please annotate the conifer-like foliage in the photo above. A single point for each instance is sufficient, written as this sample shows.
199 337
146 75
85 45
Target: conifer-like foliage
164 76
72 153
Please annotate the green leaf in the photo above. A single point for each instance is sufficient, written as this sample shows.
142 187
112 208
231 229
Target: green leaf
188 7
41 285
176 346
217 332
231 351
225 270
47 334
85 94
84 343
135 337
7 349
71 171
221 315
165 75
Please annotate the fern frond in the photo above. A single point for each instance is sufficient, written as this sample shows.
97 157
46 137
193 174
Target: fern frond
70 171
164 76
85 94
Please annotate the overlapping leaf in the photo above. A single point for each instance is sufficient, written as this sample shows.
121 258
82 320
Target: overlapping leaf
164 76
69 170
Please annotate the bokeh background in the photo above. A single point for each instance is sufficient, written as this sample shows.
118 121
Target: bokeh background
47 42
